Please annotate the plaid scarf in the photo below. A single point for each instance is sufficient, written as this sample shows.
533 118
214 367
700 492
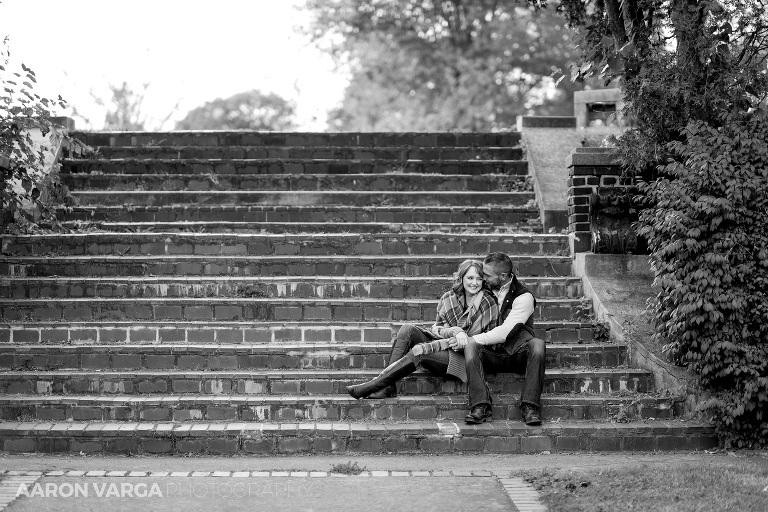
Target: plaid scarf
481 315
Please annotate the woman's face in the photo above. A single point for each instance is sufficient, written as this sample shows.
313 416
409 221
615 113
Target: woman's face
472 281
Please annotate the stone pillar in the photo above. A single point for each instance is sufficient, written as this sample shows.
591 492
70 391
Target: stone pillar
589 170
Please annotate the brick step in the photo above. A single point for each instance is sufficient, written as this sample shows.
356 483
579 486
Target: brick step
299 198
284 245
258 286
371 356
113 332
255 308
328 437
297 166
317 153
304 182
413 265
330 139
206 408
330 214
299 227
303 382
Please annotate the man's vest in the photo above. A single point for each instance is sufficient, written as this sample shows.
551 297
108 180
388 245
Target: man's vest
520 333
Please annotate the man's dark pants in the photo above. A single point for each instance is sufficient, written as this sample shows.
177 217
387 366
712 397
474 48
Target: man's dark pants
527 356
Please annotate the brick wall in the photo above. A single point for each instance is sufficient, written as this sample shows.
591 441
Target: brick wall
592 172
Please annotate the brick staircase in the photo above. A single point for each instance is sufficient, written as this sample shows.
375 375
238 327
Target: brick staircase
220 289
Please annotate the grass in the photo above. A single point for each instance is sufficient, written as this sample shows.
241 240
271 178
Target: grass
347 468
680 488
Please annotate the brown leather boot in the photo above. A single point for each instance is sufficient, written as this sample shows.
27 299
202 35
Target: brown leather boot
391 374
388 392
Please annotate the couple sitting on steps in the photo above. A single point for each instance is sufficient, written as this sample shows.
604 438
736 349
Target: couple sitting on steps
484 324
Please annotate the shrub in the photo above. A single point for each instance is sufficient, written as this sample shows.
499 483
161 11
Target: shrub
708 233
26 184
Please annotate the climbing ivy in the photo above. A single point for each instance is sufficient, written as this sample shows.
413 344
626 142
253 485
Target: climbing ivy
708 232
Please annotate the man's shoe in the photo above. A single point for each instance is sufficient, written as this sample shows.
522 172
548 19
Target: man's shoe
478 414
531 414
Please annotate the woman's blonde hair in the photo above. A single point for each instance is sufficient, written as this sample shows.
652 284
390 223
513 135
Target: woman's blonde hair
458 276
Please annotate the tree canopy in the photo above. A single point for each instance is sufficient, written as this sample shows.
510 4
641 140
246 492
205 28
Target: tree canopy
457 64
249 110
677 60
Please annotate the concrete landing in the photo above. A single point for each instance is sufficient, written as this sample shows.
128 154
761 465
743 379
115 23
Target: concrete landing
620 287
547 149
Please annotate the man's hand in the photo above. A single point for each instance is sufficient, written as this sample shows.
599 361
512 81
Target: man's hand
459 341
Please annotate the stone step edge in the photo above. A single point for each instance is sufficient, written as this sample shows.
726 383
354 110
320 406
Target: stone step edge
251 474
340 437
85 194
216 332
270 257
343 161
256 300
401 226
303 176
448 399
279 324
294 428
299 374
253 348
263 279
532 238
394 208
326 148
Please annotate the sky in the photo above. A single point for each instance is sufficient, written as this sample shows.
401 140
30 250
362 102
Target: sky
189 51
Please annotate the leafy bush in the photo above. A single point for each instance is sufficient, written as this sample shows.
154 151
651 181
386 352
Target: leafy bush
708 232
28 190
694 81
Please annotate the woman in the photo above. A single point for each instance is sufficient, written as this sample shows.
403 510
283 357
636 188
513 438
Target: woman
466 309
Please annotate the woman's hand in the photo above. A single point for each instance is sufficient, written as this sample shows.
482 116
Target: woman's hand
450 332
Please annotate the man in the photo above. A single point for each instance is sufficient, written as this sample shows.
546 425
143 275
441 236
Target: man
510 347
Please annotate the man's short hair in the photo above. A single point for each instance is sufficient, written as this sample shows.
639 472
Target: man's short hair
500 261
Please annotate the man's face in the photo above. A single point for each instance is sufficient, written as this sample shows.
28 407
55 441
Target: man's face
494 276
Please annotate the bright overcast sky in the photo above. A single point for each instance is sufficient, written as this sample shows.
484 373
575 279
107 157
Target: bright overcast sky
188 50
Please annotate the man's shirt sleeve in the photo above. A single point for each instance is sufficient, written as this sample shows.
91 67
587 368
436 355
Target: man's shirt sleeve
522 309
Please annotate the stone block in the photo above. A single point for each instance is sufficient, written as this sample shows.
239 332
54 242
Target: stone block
469 444
639 443
125 445
495 444
87 413
365 444
221 446
155 414
667 443
265 445
400 444
95 361
536 444
293 445
606 444
193 445
77 446
157 445
288 313
152 386
435 444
